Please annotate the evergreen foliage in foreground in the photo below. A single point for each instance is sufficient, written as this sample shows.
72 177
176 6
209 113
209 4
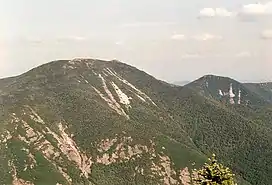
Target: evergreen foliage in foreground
214 173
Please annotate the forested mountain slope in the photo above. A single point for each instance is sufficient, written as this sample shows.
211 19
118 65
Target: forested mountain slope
87 121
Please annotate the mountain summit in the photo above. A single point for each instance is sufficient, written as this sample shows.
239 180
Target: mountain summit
87 121
229 91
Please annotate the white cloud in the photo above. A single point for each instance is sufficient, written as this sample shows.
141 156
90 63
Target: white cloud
266 34
147 24
243 54
257 9
207 36
215 12
119 43
178 37
200 37
76 38
246 11
71 38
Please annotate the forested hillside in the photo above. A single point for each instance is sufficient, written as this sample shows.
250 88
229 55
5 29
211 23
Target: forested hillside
87 121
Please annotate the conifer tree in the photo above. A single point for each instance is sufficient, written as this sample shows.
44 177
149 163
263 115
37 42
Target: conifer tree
213 173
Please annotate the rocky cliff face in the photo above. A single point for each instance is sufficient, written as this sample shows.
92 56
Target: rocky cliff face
60 150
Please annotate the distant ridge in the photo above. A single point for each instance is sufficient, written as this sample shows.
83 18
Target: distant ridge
181 83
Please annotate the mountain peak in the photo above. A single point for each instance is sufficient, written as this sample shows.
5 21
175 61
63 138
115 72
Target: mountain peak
79 61
72 67
227 90
212 76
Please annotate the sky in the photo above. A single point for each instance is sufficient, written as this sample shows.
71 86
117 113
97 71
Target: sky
173 40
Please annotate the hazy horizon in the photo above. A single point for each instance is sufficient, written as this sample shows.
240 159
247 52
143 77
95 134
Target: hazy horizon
173 40
173 82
